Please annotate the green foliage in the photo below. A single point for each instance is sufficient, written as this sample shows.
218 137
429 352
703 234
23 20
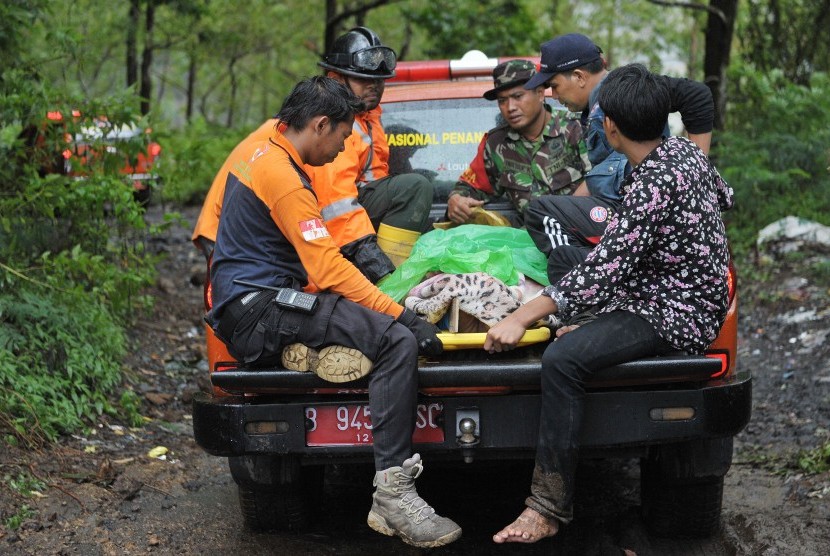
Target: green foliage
469 25
72 258
60 354
24 484
816 460
16 17
775 151
13 522
131 404
192 158
788 35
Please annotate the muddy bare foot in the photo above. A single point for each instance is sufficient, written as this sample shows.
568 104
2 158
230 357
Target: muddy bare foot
528 528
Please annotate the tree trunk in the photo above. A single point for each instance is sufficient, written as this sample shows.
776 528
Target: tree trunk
133 17
146 90
719 30
331 25
234 85
191 87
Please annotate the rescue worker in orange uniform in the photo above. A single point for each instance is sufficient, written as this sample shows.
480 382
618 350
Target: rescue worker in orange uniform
357 185
271 236
375 218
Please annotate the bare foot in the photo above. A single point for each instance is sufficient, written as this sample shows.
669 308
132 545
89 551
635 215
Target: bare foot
529 527
565 329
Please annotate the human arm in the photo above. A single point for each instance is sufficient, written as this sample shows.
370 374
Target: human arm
329 271
582 190
697 109
702 140
507 333
474 186
326 267
460 207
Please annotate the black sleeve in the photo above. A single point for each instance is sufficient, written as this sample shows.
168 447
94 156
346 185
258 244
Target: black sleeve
694 102
369 259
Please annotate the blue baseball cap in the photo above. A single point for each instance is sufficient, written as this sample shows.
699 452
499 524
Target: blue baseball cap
564 53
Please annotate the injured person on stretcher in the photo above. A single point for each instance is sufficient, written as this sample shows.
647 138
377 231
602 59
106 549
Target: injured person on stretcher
471 302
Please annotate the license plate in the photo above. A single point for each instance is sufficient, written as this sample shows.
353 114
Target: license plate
351 425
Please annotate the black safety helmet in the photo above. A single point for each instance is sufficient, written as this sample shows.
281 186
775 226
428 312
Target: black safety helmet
359 53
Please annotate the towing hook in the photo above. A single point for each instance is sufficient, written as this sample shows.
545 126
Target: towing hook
468 439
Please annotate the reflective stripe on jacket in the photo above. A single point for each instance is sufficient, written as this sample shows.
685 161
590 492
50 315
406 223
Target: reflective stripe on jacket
365 158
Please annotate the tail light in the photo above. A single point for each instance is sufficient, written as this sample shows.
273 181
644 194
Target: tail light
726 344
731 280
208 290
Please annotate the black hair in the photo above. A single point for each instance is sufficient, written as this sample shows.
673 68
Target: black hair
637 100
319 96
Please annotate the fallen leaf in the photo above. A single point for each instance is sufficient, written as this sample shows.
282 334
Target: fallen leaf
157 452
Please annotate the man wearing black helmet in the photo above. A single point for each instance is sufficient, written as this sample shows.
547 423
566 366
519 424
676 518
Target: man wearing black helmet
372 216
362 204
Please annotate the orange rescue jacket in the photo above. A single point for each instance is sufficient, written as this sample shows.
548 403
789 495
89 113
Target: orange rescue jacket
365 158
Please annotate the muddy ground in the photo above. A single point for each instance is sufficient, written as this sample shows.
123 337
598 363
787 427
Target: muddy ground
104 494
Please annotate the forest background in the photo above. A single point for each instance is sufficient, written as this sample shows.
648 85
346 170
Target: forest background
203 73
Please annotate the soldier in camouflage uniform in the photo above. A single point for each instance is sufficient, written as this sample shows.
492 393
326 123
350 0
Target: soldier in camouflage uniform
535 152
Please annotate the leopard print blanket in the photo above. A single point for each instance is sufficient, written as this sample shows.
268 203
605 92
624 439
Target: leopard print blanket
487 299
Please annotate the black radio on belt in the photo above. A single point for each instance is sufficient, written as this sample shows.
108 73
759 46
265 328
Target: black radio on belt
287 297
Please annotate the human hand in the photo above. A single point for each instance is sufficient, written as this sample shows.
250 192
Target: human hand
460 208
425 333
504 336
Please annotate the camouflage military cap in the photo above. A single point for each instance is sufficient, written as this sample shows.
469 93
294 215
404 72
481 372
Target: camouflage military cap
510 74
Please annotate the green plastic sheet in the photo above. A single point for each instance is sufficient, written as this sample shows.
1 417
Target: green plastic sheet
499 251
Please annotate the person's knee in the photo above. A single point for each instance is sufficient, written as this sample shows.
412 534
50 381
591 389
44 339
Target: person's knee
418 188
400 339
560 366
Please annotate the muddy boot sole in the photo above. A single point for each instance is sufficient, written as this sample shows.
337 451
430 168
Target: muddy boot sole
332 363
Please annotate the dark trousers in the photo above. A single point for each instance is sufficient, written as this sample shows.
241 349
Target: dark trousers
401 201
567 364
261 333
565 228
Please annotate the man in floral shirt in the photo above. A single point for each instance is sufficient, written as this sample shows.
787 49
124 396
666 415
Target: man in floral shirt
660 268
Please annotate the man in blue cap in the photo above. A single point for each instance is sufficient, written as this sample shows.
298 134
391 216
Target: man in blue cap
564 228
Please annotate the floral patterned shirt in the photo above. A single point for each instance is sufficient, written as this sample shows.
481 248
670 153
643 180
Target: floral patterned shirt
664 255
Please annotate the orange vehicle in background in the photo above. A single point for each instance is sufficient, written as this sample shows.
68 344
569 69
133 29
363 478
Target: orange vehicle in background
81 143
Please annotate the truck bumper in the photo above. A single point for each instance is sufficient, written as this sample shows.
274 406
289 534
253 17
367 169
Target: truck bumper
614 419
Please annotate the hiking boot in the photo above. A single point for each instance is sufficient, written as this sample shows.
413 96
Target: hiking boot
331 363
398 510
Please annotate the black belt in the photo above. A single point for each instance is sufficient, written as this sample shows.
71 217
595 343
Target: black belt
237 309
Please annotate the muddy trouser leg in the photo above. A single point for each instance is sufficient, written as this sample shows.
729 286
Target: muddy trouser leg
393 382
567 363
401 201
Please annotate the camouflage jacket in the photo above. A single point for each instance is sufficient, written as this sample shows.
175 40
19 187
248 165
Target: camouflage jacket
507 164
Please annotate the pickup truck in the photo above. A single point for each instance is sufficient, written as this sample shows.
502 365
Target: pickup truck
279 429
